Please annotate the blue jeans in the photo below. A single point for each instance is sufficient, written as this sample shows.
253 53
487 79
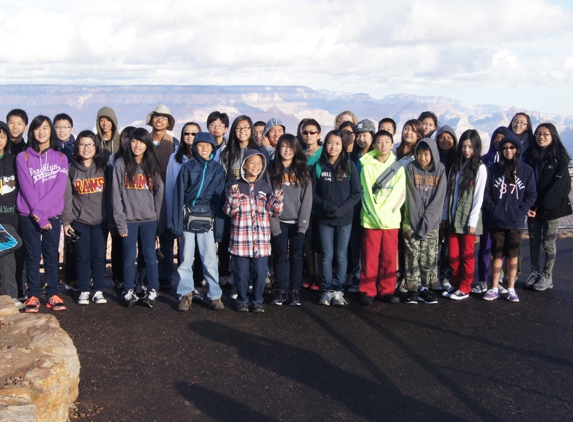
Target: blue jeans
245 271
41 243
147 232
208 253
334 244
90 254
288 271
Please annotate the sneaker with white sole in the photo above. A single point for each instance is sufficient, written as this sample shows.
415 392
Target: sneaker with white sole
534 278
98 298
84 298
19 305
512 296
411 298
480 288
426 296
338 299
149 300
491 294
448 291
130 298
545 283
459 295
326 298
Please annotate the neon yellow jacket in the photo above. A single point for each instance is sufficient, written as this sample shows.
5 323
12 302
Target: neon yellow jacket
383 210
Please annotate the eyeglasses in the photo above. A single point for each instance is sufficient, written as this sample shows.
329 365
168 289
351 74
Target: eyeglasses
189 133
216 126
543 135
62 127
243 129
285 147
309 132
159 117
89 146
519 123
512 147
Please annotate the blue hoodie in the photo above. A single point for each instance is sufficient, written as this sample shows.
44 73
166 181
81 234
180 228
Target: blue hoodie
200 182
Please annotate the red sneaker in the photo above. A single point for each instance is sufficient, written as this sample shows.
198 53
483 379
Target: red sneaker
32 305
56 303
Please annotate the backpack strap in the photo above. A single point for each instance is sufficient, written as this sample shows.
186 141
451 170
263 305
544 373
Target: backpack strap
385 177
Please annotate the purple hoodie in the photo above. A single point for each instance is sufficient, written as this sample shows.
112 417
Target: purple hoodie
43 179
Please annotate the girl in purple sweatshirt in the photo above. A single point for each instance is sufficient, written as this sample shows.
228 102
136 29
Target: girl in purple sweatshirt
43 176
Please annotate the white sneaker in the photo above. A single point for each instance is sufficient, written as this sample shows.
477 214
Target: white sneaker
98 298
338 299
19 304
326 298
84 298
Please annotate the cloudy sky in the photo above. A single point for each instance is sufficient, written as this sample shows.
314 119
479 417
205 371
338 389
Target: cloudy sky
507 52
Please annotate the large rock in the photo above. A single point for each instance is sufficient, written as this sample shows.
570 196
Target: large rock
39 368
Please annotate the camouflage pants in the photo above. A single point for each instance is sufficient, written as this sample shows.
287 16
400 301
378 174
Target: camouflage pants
421 256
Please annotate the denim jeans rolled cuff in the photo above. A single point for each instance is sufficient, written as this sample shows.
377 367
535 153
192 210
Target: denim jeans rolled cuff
41 243
246 271
90 254
147 231
334 244
205 242
287 257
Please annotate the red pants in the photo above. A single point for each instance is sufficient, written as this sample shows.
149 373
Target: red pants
462 260
378 257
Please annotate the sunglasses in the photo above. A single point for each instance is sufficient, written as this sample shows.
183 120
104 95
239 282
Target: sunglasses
508 148
309 132
189 133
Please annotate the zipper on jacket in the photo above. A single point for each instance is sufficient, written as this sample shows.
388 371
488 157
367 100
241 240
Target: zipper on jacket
202 182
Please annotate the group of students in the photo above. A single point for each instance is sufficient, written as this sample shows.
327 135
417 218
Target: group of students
256 201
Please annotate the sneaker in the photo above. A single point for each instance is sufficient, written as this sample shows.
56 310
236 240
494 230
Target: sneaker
226 279
534 278
294 298
84 298
479 288
390 299
217 305
98 298
445 282
242 307
545 283
512 296
149 300
234 293
367 300
185 303
459 295
427 296
502 290
411 297
353 289
280 298
448 292
257 308
491 294
338 299
56 303
130 298
140 291
197 295
19 305
326 298
32 305
73 285
402 286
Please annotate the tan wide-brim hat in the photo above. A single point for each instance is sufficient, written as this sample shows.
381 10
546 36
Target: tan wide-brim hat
163 110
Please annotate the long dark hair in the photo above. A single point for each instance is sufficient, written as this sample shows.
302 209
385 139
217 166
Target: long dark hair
556 147
509 166
149 164
35 124
342 164
416 125
232 152
125 133
185 149
98 159
298 166
469 168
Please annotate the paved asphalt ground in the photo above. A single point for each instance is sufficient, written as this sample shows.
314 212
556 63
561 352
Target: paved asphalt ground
471 360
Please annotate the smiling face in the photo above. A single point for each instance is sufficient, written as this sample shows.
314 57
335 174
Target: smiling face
189 132
429 126
424 157
409 135
274 134
17 126
138 148
467 149
204 149
543 137
445 141
519 124
333 147
253 167
286 152
508 150
105 124
63 129
364 140
243 132
383 145
42 135
86 148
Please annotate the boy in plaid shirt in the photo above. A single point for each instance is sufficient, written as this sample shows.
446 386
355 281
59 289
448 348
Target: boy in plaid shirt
251 204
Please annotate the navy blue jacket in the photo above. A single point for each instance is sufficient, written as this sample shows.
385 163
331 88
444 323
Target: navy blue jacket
200 182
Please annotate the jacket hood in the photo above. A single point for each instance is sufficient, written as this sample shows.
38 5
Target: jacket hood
449 130
203 137
110 114
5 128
503 130
275 121
250 153
512 139
433 149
